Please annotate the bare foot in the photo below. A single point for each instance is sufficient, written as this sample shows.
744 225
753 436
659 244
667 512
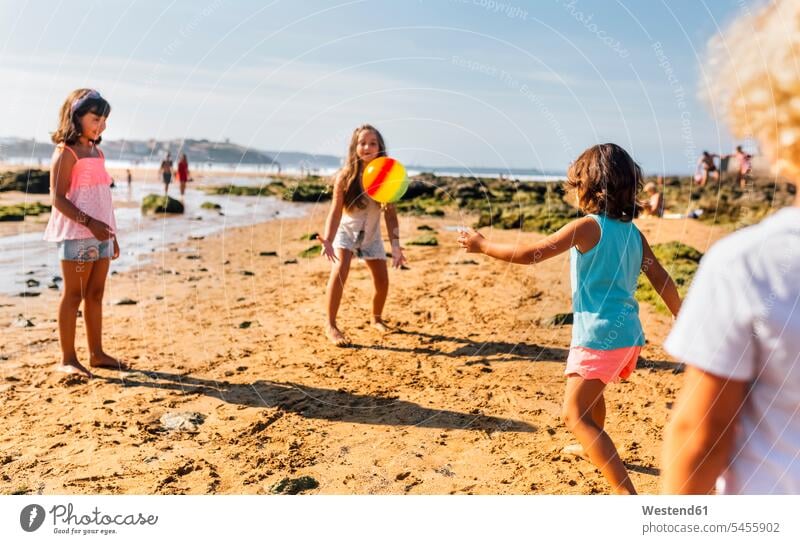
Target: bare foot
574 449
380 325
73 367
336 337
104 360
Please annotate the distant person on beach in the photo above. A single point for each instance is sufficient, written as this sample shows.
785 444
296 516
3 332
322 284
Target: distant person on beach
353 227
743 166
183 173
654 205
735 428
82 224
129 178
166 172
706 167
607 252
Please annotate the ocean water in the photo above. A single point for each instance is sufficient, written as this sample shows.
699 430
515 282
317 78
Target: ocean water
27 256
266 170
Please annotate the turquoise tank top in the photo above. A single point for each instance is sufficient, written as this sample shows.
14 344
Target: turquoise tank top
606 314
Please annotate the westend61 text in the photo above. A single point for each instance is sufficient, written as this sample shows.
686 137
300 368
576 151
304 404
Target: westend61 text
694 510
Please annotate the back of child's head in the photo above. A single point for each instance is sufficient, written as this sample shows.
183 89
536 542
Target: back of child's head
351 172
78 103
606 180
755 81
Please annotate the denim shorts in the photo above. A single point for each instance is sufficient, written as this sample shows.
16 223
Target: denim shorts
85 250
371 251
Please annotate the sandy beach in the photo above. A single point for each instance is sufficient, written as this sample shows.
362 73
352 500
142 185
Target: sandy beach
462 397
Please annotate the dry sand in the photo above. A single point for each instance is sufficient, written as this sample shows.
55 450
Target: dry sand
464 397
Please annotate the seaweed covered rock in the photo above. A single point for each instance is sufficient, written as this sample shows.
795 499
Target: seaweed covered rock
418 188
161 204
424 240
293 486
546 217
311 252
307 191
31 181
244 190
17 212
725 203
312 189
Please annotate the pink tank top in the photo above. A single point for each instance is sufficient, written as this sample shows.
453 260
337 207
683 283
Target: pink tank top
90 192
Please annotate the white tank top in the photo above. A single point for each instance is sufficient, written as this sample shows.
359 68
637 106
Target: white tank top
366 220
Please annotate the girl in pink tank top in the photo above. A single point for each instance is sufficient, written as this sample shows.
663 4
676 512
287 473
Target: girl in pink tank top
82 224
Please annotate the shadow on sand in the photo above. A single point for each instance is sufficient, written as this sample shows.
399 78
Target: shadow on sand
320 403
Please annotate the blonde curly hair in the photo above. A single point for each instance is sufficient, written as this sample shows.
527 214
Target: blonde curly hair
754 81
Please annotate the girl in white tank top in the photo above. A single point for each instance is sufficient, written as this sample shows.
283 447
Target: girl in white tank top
353 227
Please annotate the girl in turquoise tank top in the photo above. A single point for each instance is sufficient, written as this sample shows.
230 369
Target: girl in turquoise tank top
607 252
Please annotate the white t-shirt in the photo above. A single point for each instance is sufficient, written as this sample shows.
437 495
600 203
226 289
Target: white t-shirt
741 320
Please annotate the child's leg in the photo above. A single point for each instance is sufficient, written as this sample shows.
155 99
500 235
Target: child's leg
380 279
93 315
599 418
579 412
338 277
76 278
599 412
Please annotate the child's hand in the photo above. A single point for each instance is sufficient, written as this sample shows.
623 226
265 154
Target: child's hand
116 250
99 230
398 259
328 252
471 240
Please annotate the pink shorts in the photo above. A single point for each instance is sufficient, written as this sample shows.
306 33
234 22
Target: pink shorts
606 365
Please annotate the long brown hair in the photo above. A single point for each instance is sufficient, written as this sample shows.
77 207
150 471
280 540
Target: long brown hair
607 181
69 125
352 169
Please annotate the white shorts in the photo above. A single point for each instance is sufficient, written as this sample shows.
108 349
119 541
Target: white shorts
371 251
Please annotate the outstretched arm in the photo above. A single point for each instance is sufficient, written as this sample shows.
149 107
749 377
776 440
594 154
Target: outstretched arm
660 278
583 233
698 440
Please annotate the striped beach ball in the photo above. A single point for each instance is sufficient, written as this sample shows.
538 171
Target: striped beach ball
385 180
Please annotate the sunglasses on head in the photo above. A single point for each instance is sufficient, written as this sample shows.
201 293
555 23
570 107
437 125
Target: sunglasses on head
91 95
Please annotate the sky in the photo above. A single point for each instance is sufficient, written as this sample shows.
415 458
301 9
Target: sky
515 84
